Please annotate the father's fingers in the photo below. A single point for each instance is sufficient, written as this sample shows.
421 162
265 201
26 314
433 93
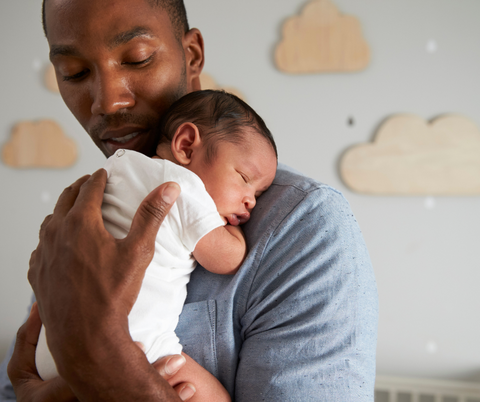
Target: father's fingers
22 363
90 195
69 195
29 332
150 215
58 390
22 369
45 222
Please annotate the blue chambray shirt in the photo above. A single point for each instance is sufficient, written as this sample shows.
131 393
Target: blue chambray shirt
298 322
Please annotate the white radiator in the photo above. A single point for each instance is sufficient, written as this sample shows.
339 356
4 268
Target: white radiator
397 389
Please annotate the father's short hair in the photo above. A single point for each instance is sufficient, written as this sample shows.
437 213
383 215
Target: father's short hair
175 9
219 116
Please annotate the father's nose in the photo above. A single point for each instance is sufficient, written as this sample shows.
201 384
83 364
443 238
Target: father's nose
111 93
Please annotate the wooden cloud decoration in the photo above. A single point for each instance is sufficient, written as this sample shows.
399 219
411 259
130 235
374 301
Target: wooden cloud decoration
320 40
208 82
410 156
41 144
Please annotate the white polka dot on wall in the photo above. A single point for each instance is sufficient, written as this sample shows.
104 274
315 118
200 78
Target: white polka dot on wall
429 203
432 46
37 64
45 197
431 347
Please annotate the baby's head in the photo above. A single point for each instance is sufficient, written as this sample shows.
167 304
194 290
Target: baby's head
226 143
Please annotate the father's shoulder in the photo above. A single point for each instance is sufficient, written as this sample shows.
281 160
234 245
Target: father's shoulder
293 198
290 178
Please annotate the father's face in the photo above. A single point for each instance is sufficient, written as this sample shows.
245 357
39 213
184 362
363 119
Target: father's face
119 66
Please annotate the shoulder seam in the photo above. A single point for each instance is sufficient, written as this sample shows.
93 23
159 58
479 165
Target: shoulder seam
313 187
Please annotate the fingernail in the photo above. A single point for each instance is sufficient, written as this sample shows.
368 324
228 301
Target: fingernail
187 392
170 193
174 364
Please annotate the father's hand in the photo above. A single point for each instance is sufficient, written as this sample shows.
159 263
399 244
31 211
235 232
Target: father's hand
86 283
27 384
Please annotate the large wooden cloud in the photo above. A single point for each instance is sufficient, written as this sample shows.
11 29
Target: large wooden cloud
410 156
322 39
41 144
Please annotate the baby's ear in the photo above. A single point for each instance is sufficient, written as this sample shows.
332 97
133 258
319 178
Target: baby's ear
185 142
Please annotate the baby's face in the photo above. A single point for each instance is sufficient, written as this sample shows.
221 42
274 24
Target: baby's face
238 174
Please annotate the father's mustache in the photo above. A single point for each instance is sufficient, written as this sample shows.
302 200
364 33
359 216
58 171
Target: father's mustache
120 120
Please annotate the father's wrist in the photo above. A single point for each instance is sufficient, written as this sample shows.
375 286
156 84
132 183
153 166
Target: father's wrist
112 368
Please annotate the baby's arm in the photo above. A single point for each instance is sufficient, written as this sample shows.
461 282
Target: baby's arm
221 251
208 388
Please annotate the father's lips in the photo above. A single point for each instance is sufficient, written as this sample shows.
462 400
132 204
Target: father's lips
126 138
129 138
119 134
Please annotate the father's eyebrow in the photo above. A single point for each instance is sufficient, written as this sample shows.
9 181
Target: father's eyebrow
62 50
119 39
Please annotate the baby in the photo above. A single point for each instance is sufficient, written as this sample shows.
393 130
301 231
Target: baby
223 156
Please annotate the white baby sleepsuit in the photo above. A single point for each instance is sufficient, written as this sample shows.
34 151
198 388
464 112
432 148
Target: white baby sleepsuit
154 316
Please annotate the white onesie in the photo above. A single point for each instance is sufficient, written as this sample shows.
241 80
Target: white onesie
154 316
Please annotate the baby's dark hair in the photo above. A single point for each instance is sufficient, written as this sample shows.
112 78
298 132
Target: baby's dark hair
219 116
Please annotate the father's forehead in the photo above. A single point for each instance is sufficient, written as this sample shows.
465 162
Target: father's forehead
112 42
68 3
88 10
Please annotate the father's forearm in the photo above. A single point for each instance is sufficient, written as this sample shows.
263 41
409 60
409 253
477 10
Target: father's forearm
111 368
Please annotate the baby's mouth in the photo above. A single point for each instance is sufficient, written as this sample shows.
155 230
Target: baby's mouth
236 220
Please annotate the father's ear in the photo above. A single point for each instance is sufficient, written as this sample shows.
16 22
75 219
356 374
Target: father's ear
194 58
186 142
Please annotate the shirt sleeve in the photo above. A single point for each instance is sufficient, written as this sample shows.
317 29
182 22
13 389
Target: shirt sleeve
309 330
195 213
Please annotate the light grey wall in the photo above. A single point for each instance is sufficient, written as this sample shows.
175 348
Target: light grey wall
425 259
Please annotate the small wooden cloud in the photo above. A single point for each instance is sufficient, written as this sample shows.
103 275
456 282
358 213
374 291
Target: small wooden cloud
321 40
41 144
410 156
207 82
51 79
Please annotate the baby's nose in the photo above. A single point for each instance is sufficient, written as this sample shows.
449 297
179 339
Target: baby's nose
249 202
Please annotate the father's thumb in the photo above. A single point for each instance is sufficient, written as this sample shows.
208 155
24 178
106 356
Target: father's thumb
150 214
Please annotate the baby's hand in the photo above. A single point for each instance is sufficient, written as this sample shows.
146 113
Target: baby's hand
168 367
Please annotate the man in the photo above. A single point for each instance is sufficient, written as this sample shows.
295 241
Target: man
297 322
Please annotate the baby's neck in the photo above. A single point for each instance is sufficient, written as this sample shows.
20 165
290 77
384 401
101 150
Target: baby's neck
164 152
